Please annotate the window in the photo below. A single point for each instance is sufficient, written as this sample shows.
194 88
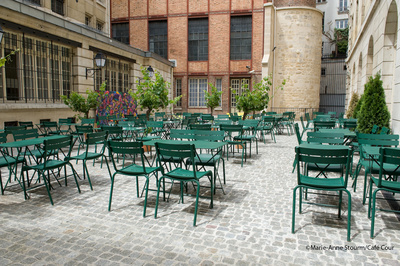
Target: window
198 39
236 88
196 92
178 90
341 23
117 75
321 1
99 25
218 85
36 2
323 22
57 6
158 37
323 71
39 72
120 32
87 20
342 6
241 37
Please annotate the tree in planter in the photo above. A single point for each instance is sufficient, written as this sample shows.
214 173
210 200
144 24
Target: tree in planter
352 105
256 99
374 110
78 103
213 98
152 94
358 107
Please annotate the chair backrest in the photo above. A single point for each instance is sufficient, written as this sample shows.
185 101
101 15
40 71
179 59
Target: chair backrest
50 125
350 123
207 117
63 145
317 113
389 156
375 129
337 155
307 116
378 140
166 152
231 130
26 124
323 124
200 126
302 122
10 129
154 124
87 121
131 148
332 114
222 121
270 113
3 137
253 123
114 132
25 134
84 129
325 138
298 135
385 130
187 134
209 135
323 118
64 121
223 117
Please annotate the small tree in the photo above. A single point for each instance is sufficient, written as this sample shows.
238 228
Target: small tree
374 110
4 59
78 103
213 98
152 94
256 99
352 105
358 107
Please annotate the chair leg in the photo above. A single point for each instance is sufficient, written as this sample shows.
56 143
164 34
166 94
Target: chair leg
48 189
85 169
294 208
348 214
75 177
158 195
197 200
145 198
111 191
373 212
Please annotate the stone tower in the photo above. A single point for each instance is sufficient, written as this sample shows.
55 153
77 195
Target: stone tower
292 50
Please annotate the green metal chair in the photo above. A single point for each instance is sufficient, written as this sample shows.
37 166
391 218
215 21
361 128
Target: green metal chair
114 132
365 161
200 126
63 146
93 140
6 160
51 128
350 124
305 127
139 168
208 158
267 127
28 124
181 175
338 155
389 170
87 121
232 131
81 132
249 134
318 124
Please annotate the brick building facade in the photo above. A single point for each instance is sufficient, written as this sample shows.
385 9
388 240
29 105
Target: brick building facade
226 43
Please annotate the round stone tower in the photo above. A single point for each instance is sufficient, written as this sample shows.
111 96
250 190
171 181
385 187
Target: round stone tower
296 54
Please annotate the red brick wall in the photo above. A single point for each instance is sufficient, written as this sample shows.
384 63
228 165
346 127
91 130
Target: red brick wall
177 6
177 42
241 4
139 33
218 5
138 8
218 38
157 7
119 8
198 6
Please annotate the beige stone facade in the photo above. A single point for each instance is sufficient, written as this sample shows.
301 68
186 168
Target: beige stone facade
373 48
30 89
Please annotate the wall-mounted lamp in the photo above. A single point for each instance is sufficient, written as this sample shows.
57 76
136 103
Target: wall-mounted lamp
151 71
1 34
100 61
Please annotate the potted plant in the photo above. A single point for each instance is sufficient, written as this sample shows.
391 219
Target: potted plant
213 98
78 103
374 110
152 94
256 99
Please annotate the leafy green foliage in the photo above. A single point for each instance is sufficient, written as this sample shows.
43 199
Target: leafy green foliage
213 98
358 107
374 110
352 105
6 58
78 103
152 94
341 37
256 99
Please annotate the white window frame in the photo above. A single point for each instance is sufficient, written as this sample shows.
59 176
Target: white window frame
197 86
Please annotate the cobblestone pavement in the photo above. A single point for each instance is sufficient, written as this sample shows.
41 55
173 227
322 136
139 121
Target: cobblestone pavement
250 225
